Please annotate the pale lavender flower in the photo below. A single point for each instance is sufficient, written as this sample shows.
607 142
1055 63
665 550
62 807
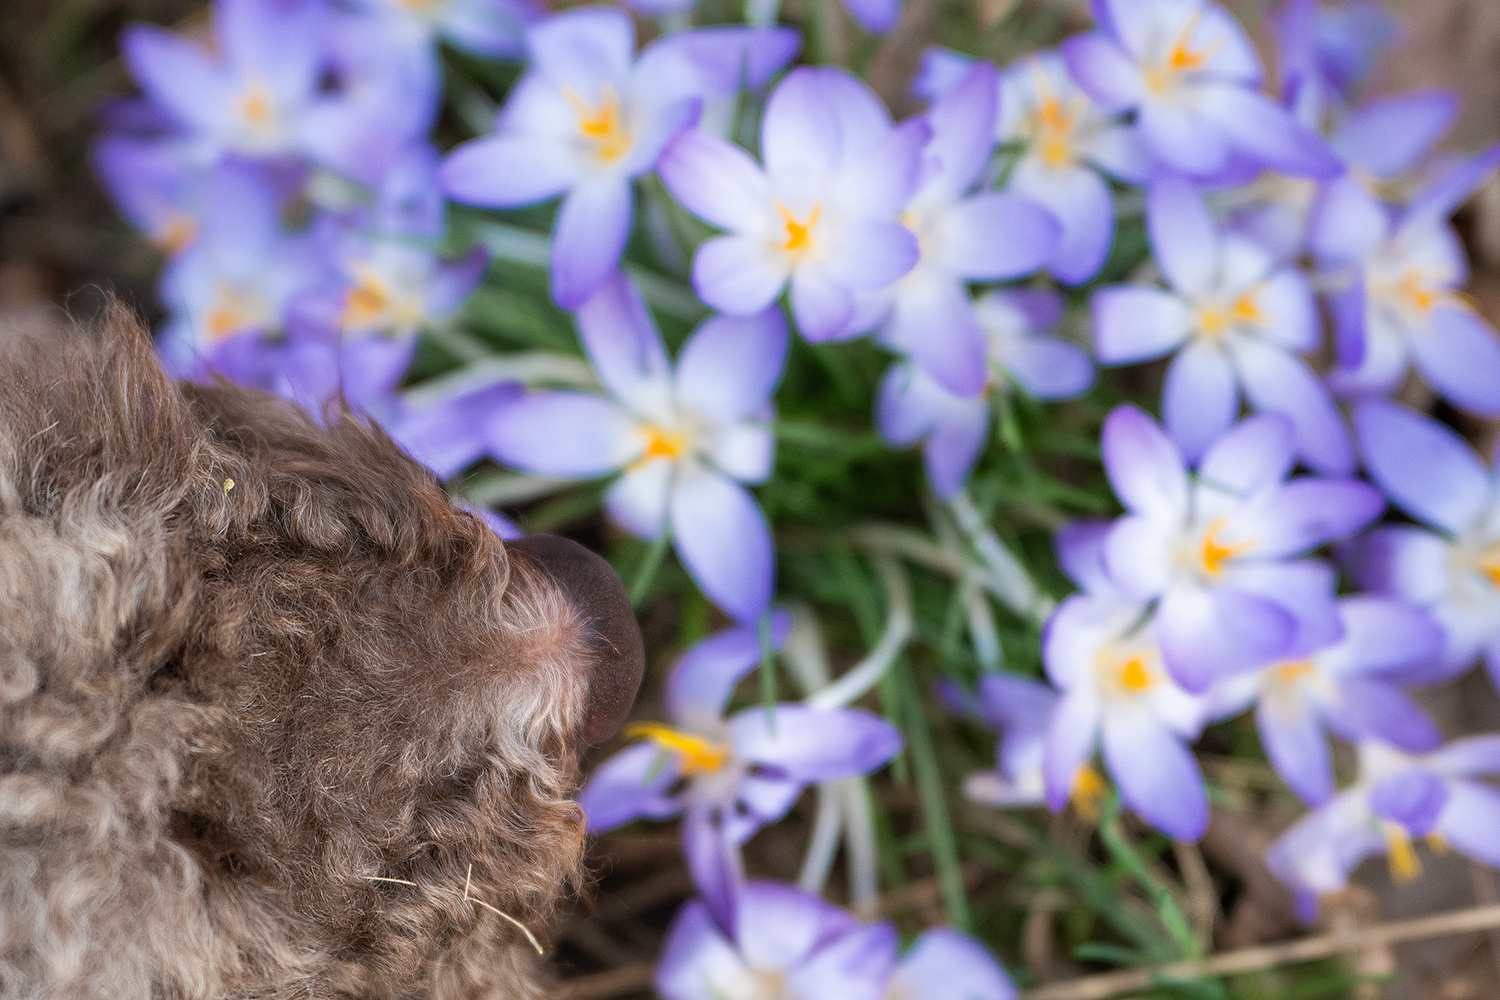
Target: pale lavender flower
1351 687
156 184
1330 49
1218 551
821 213
493 28
729 776
1397 300
685 440
1397 799
777 942
962 237
450 434
1193 78
589 116
1101 651
945 964
1237 320
912 406
1451 567
1020 710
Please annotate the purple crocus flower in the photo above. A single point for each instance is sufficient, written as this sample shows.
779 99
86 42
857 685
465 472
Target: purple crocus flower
822 212
1398 280
730 776
685 440
1351 687
1237 320
1330 49
449 435
1218 551
1020 710
1191 75
493 28
1453 572
778 942
1102 654
589 116
913 406
1069 139
156 184
962 238
1397 799
945 964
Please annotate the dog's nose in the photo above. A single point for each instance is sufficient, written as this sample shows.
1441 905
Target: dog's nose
619 655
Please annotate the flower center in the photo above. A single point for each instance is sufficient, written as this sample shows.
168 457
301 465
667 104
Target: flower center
1292 672
177 234
798 236
1126 674
1087 794
1213 554
233 309
1400 855
663 442
1181 58
256 108
1489 563
700 755
1411 290
602 125
1214 321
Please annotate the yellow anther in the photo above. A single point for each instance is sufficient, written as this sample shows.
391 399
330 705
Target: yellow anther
1400 855
1489 563
602 124
366 303
799 235
1246 309
662 442
1412 289
1087 794
1134 675
256 106
1437 843
177 234
1182 58
1214 553
699 754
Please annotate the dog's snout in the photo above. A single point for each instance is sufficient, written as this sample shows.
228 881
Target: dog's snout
596 591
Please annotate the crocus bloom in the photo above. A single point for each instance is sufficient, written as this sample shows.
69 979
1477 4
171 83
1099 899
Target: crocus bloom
1020 710
947 965
1432 474
1187 69
1101 652
1331 49
962 238
779 943
1237 320
588 117
487 27
913 406
449 435
1068 140
156 184
685 439
731 776
1397 799
1218 551
1397 296
1352 687
823 211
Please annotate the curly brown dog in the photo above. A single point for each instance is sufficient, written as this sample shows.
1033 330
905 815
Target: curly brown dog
277 720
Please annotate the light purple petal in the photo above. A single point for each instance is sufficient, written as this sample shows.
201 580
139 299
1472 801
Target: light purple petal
1071 737
1139 554
738 275
947 965
995 237
1372 709
871 253
729 367
716 61
177 75
1144 466
963 129
1306 512
1267 131
822 306
1403 560
879 178
875 16
715 180
1387 638
1256 454
449 437
1424 467
1295 743
1105 71
1200 398
1469 757
639 499
1304 588
622 343
697 962
1469 821
1389 135
1158 776
855 966
1277 381
713 858
1413 798
910 404
504 171
1185 240
1080 549
723 540
953 448
1443 196
592 227
1081 202
1136 322
705 677
1347 222
454 281
1184 139
571 435
1050 367
801 139
779 926
583 48
809 744
632 784
1207 635
1459 355
275 40
934 321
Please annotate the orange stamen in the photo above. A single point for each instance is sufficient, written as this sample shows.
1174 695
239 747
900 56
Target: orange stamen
1214 553
699 754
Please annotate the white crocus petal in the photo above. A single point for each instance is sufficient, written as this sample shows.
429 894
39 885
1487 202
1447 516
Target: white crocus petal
742 451
637 501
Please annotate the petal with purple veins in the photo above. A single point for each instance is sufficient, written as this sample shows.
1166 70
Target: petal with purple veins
632 784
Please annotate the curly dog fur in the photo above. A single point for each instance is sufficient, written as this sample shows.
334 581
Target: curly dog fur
249 667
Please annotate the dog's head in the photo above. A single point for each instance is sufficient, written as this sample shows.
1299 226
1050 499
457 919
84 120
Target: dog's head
289 721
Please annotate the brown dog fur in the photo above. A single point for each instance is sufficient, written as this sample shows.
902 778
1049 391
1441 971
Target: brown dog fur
248 666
